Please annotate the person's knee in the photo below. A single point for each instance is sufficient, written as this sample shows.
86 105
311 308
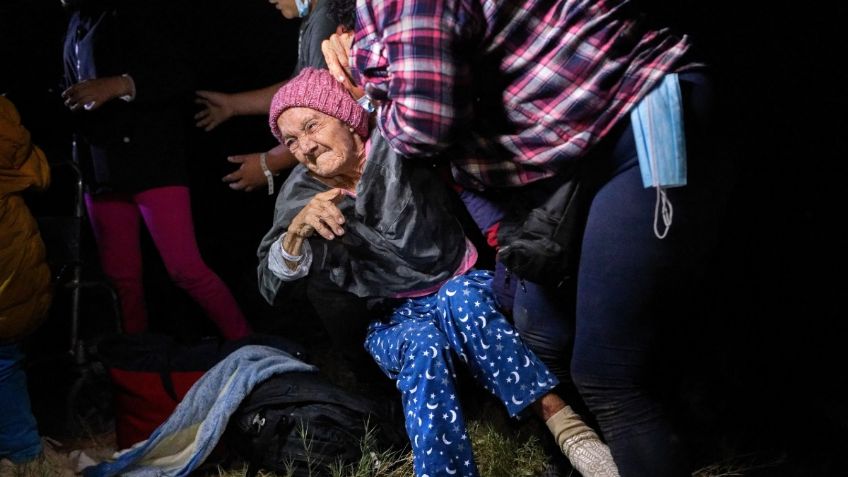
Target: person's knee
421 358
186 274
598 381
618 403
433 351
122 271
451 291
436 341
466 302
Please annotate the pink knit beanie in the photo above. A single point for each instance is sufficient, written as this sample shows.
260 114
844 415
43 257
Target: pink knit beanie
318 90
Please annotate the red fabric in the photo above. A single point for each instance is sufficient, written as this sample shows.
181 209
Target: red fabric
142 403
492 235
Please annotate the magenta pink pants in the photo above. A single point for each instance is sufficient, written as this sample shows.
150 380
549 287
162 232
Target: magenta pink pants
167 213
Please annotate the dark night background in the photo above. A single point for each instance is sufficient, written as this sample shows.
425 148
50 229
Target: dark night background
765 371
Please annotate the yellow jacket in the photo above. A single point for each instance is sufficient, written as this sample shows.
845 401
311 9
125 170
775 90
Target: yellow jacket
25 288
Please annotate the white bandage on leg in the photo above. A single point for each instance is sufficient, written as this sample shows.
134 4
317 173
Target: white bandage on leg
584 449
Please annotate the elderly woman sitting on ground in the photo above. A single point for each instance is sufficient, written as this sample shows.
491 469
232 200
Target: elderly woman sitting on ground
382 228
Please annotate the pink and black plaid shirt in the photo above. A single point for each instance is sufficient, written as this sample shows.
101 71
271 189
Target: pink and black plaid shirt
510 90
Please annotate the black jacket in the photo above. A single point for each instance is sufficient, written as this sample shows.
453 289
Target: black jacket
401 232
131 146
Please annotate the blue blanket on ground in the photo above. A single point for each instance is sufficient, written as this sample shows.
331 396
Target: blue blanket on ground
186 439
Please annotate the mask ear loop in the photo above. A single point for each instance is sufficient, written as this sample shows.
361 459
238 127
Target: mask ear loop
662 206
302 7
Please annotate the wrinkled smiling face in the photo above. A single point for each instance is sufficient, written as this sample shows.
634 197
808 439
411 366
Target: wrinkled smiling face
324 144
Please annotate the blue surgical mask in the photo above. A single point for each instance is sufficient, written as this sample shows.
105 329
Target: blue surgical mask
302 7
661 145
365 103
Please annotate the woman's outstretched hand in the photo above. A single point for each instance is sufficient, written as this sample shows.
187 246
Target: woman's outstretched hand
216 108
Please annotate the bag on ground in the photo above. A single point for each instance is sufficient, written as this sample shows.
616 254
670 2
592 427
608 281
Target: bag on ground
300 423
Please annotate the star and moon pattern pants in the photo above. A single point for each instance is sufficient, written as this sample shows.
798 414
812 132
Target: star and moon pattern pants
417 347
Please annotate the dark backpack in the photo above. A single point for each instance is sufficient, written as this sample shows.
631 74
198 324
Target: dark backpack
543 244
302 423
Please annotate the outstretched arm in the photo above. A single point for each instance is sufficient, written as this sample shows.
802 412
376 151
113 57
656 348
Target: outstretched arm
250 176
218 107
407 54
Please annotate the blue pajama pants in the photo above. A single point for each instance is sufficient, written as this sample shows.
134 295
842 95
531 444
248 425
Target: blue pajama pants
417 346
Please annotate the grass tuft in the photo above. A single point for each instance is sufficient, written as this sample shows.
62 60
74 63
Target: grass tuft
496 454
740 465
500 455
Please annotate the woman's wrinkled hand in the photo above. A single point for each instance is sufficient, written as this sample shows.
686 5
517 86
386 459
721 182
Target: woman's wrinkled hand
320 215
93 93
217 108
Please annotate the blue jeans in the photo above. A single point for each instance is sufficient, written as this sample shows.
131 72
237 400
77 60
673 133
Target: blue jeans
19 439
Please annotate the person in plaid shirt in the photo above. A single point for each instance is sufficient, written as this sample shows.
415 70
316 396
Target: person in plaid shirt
516 94
514 90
